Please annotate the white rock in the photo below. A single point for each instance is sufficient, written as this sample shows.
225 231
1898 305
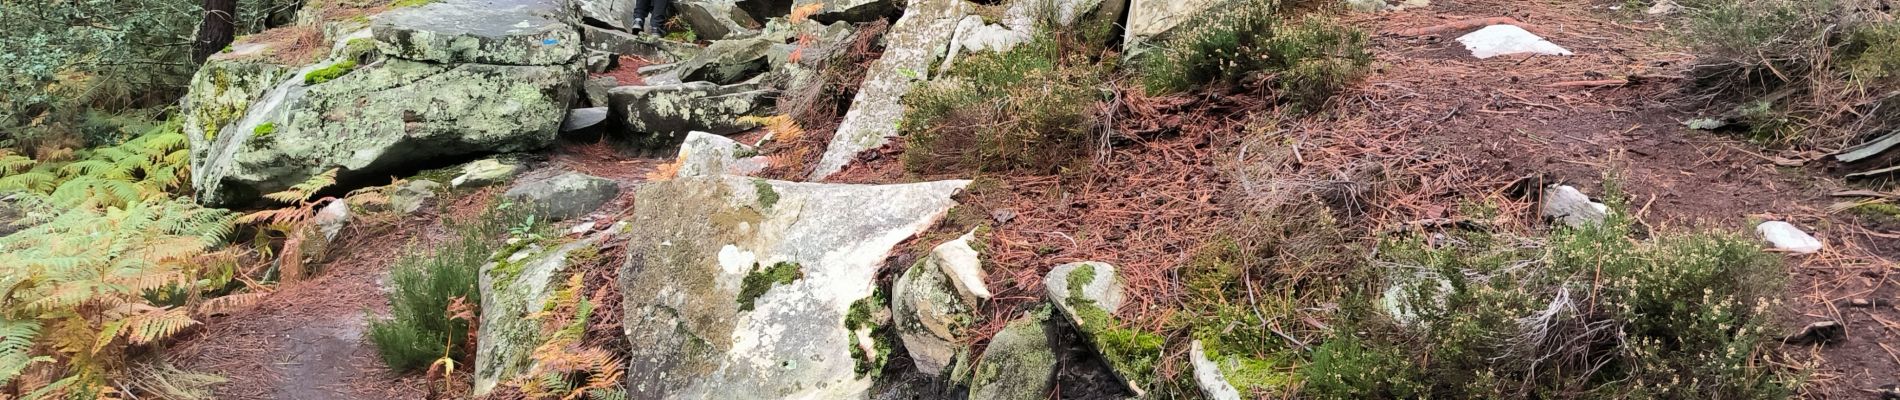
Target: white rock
332 218
1785 236
1571 207
1208 375
964 266
1498 40
706 154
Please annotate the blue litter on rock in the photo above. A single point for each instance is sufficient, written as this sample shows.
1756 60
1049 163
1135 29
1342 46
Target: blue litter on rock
550 42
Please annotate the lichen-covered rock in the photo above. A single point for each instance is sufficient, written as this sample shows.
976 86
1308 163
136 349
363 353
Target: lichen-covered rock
513 289
933 312
1088 294
1151 19
485 172
752 288
717 19
910 48
706 154
565 196
728 62
364 122
1020 362
649 47
853 11
662 115
506 32
411 196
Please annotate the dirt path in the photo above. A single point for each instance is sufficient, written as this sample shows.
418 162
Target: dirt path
307 340
1483 123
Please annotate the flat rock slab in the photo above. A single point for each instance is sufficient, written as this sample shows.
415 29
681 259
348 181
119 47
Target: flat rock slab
510 32
1498 40
913 44
718 19
565 196
697 243
662 115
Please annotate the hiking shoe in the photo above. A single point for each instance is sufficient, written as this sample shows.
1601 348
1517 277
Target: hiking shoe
637 24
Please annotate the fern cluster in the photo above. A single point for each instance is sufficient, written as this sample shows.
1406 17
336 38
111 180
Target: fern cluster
83 283
565 366
150 166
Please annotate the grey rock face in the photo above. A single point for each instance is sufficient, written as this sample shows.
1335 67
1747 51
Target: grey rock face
695 244
718 19
1571 207
1019 363
565 196
728 62
512 290
595 90
583 118
411 196
507 32
1095 288
1152 19
614 13
662 115
912 45
651 48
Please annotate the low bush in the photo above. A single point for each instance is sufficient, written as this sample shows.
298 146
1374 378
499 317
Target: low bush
1306 61
436 292
1802 73
1587 312
1030 109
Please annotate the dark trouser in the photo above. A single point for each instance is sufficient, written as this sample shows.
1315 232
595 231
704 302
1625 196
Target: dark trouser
653 12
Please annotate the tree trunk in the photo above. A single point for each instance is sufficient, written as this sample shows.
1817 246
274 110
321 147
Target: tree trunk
217 30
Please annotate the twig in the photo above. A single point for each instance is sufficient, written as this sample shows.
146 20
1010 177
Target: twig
1590 84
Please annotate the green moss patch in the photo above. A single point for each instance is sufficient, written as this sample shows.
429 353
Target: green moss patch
329 73
263 130
767 196
762 279
863 316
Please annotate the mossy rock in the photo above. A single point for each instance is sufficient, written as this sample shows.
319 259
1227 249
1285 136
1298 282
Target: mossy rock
1019 362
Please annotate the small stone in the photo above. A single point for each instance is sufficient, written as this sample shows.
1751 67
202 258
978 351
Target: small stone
1003 216
1498 40
581 229
1207 375
1572 208
1019 363
1786 237
1663 7
485 172
565 196
332 219
412 195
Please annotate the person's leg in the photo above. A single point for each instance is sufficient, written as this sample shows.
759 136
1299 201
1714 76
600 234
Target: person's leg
656 20
640 10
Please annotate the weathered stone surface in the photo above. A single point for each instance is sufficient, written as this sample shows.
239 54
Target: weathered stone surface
910 48
1151 19
1570 207
513 289
932 312
614 13
507 32
1207 375
652 48
1409 290
583 118
1020 362
710 155
852 10
332 219
1068 12
718 19
412 195
696 242
662 115
728 62
1088 294
595 90
1499 40
246 142
485 172
973 36
565 196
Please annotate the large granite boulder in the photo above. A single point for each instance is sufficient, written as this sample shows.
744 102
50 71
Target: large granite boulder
718 19
662 115
762 289
728 62
514 288
613 13
910 48
449 79
505 32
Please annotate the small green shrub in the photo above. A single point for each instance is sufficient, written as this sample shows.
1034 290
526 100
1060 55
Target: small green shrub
1307 61
329 73
1806 72
420 328
1584 312
1031 109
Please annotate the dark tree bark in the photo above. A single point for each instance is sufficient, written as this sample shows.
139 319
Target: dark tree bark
217 30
